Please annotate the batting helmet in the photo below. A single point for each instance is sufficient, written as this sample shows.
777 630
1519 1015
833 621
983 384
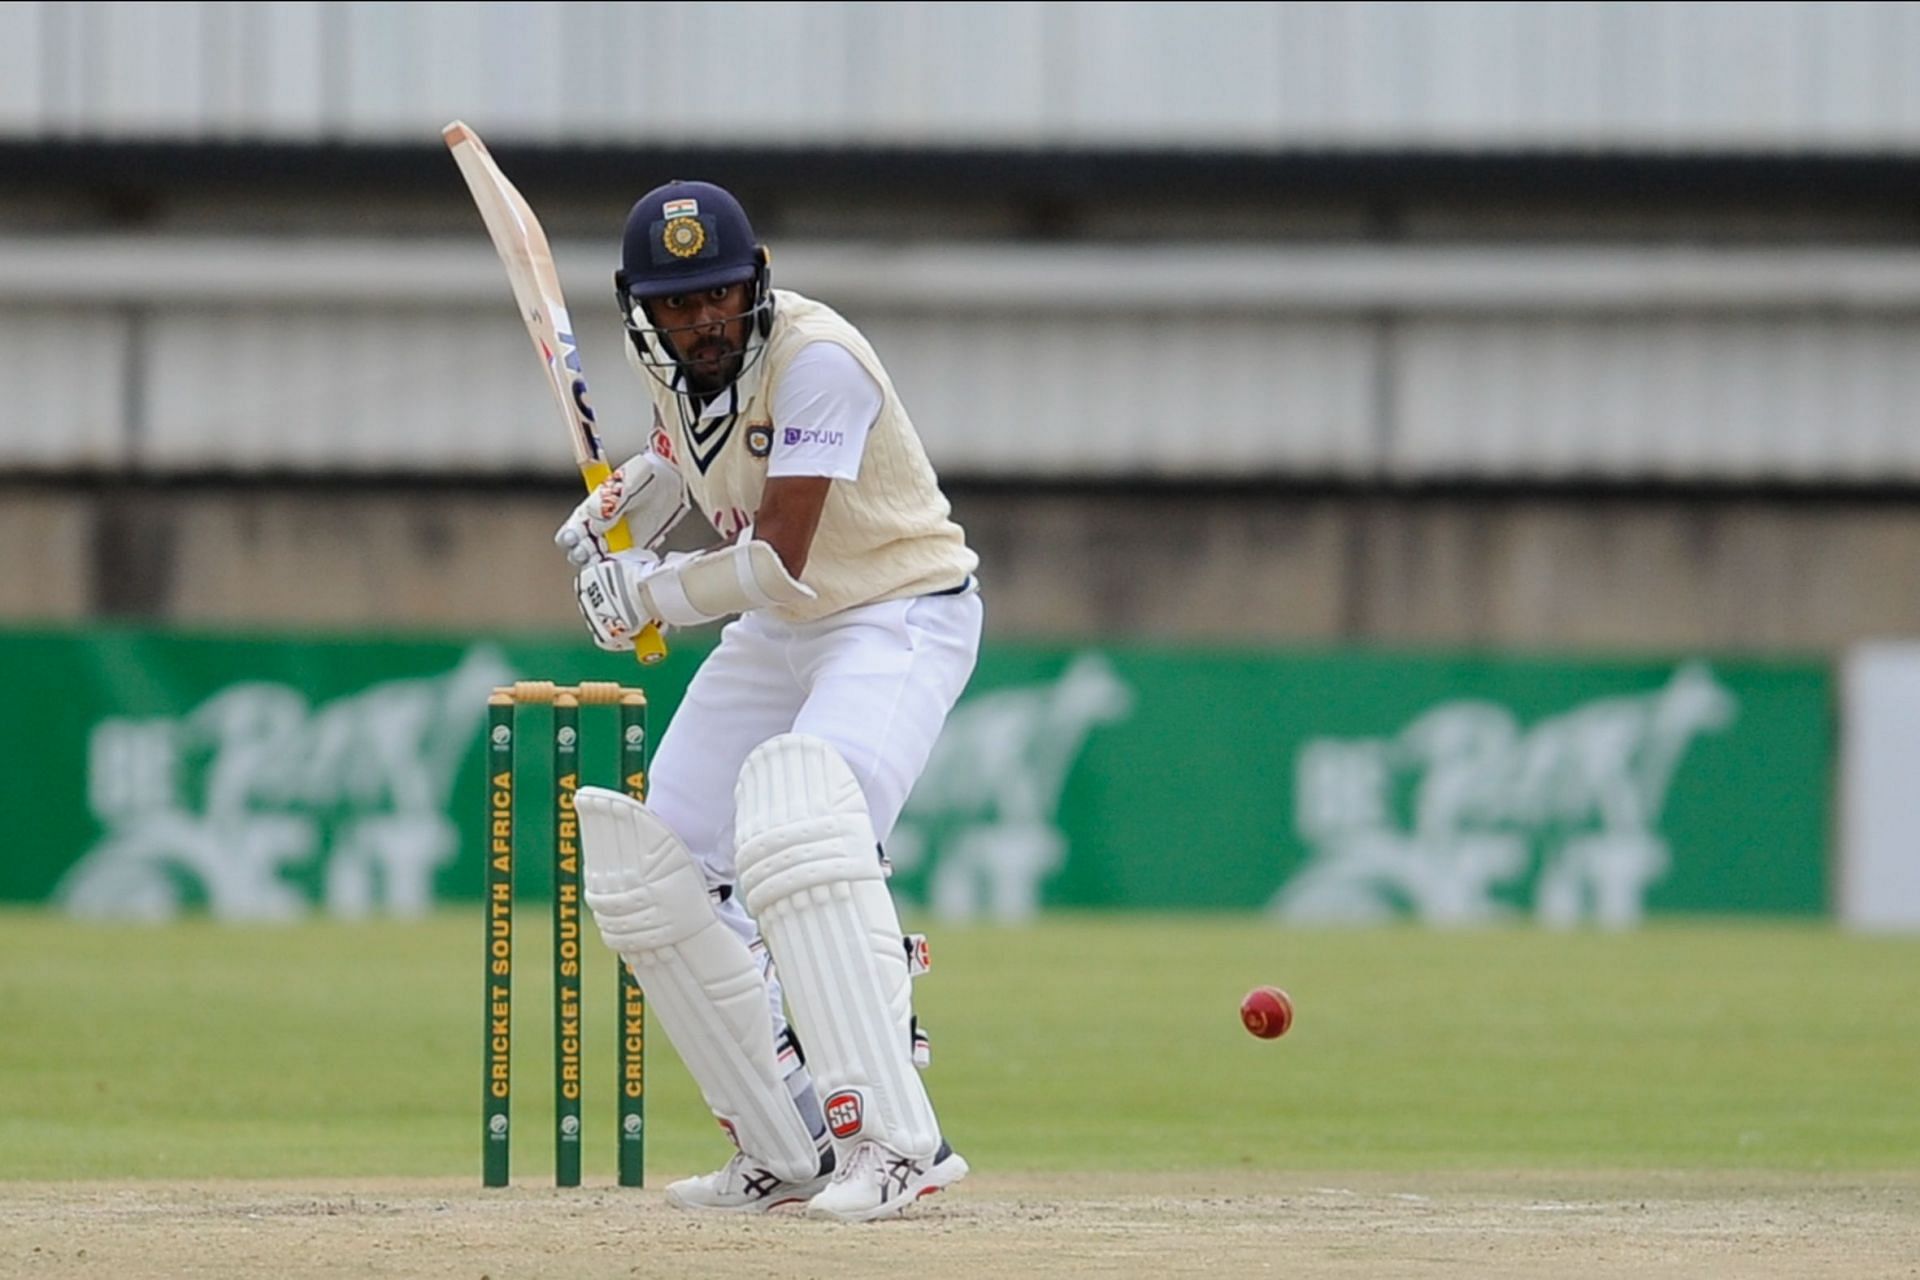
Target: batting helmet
686 237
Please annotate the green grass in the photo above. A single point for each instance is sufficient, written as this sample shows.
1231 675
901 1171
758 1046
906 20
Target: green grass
354 1050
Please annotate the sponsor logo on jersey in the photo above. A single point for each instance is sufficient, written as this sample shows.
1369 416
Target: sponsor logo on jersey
661 443
812 435
760 439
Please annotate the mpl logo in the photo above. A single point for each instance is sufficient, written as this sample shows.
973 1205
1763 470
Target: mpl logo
845 1114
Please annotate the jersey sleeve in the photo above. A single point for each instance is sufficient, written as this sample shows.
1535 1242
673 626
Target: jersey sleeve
822 410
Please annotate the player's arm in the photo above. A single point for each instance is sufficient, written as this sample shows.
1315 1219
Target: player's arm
789 514
826 404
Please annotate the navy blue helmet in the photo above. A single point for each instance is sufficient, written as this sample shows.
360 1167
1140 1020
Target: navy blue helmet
684 238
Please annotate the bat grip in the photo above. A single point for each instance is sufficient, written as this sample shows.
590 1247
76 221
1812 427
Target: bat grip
649 646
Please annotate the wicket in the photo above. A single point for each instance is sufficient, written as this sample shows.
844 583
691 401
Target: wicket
497 1087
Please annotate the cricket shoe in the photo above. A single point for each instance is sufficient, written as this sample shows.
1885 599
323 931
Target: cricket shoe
877 1182
742 1186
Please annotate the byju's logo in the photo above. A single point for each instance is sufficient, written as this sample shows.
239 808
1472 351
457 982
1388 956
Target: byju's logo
795 436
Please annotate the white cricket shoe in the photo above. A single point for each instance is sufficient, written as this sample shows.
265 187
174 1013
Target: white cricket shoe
877 1182
741 1186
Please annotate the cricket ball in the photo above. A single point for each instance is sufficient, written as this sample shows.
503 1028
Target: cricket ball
1267 1012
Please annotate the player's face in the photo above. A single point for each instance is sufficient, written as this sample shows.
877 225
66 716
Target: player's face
708 331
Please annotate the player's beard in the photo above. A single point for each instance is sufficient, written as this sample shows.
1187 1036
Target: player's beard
713 364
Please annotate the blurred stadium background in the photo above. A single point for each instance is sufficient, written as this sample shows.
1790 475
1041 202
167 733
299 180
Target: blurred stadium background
1523 326
1575 330
1578 331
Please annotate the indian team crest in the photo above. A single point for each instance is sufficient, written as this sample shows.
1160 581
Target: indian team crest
759 438
684 237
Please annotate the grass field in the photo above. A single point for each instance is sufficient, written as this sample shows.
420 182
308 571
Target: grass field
351 1053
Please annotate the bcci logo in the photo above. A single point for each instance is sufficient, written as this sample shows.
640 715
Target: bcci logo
502 735
566 737
497 1126
684 237
844 1114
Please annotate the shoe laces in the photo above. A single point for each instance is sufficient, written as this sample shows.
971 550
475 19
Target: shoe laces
856 1164
874 1162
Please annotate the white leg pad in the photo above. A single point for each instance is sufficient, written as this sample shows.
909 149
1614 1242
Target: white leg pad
811 875
651 905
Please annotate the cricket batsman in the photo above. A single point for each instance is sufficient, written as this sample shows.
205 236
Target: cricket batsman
755 867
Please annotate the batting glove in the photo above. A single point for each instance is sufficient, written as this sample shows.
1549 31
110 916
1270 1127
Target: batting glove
608 593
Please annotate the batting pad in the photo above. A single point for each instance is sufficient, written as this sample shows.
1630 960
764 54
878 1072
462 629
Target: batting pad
650 903
811 876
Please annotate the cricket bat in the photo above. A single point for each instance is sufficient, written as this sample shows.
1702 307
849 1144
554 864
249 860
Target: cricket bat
523 247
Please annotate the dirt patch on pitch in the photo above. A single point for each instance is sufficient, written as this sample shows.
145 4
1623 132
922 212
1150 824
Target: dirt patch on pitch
1297 1225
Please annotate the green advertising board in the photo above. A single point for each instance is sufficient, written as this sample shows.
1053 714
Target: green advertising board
259 776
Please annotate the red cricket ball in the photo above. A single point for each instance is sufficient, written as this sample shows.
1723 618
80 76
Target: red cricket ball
1267 1012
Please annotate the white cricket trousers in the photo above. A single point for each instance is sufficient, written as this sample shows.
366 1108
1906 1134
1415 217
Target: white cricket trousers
875 681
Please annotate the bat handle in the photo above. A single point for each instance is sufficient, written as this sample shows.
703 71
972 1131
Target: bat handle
649 646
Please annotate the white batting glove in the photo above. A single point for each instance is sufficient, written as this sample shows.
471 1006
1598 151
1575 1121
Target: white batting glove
646 491
608 593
